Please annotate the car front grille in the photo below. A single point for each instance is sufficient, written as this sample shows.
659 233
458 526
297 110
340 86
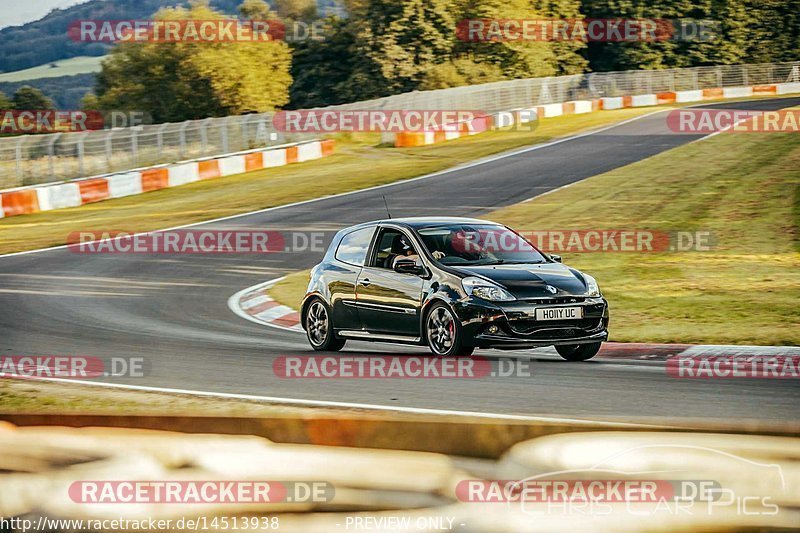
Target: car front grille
557 329
556 300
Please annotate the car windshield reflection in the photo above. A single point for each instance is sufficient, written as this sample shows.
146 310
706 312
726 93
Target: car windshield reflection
478 245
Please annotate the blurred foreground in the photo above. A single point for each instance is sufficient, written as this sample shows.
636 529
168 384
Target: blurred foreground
105 478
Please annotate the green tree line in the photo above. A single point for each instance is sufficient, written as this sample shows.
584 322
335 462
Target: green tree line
384 47
745 31
26 98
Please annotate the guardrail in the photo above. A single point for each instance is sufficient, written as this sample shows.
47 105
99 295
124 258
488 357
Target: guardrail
35 159
74 193
512 117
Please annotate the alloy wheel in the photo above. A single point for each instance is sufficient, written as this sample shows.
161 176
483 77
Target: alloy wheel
317 323
441 330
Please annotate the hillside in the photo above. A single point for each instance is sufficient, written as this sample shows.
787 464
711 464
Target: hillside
55 69
45 40
65 91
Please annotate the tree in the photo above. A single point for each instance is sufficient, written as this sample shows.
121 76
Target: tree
178 81
400 41
28 97
524 59
392 46
568 56
305 10
774 31
245 77
322 70
746 31
5 102
254 10
90 102
460 71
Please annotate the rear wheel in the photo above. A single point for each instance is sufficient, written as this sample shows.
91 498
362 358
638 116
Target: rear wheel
578 352
443 332
319 328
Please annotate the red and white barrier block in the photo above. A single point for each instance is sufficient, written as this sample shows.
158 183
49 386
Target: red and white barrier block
579 107
27 200
521 116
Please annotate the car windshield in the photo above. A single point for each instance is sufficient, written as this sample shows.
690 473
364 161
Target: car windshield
478 244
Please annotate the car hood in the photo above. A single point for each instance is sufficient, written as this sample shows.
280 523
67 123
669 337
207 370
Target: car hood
532 280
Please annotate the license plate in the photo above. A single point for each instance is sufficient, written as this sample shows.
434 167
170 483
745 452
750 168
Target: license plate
559 313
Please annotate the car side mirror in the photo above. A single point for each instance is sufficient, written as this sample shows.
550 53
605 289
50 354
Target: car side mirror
408 266
556 258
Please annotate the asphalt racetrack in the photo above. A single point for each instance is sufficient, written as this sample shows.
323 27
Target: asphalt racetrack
172 310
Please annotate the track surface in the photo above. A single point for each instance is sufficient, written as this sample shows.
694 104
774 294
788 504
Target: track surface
172 310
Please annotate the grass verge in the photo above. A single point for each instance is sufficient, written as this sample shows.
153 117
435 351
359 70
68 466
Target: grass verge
358 163
744 188
29 396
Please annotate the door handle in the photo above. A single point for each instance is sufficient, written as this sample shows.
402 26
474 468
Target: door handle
364 282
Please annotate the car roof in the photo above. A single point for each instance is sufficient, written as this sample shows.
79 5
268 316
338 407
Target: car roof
420 222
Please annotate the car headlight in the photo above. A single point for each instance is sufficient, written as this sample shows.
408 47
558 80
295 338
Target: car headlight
592 288
486 289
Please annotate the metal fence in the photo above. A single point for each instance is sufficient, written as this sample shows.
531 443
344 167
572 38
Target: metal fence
33 159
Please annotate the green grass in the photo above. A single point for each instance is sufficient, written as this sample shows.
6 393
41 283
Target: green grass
64 67
29 396
358 163
291 289
745 188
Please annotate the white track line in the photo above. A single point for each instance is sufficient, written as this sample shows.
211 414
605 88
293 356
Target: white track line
349 405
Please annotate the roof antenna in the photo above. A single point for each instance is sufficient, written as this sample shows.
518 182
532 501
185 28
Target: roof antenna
387 207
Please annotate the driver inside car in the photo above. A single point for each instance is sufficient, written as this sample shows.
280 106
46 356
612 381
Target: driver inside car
403 249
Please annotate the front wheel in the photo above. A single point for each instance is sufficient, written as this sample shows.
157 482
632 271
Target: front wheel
443 333
578 352
319 328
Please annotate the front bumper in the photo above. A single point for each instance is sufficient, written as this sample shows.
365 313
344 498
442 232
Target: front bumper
512 325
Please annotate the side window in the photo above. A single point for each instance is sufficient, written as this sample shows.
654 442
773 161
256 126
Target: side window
354 246
390 245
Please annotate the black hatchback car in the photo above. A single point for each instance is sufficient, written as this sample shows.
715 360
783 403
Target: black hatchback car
455 284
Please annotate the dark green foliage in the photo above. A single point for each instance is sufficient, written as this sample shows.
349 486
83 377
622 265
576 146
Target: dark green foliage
65 91
31 98
749 31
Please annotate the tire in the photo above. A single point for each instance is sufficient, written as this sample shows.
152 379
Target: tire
319 327
443 332
578 352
